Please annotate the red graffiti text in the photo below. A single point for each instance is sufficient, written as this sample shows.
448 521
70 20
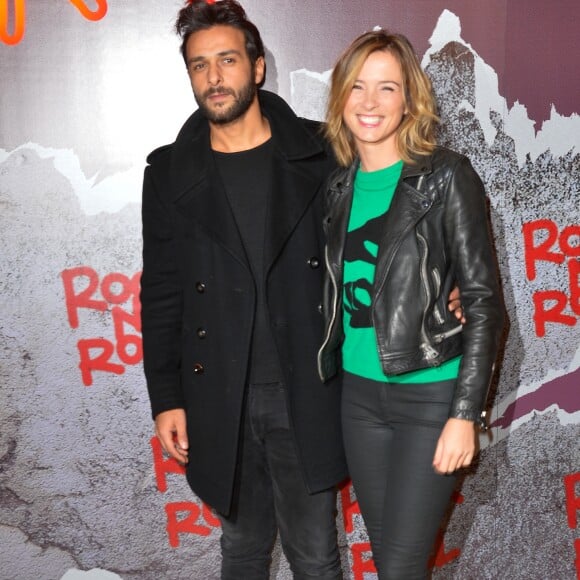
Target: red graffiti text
544 242
572 491
182 517
117 296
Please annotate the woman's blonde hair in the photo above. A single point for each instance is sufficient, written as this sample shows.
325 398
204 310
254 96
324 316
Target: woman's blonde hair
416 134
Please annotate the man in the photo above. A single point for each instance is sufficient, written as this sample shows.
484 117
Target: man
231 289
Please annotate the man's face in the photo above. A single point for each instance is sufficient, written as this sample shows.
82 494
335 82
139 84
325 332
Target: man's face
223 80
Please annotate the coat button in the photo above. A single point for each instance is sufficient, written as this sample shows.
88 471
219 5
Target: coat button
425 204
314 262
198 369
201 332
200 287
319 308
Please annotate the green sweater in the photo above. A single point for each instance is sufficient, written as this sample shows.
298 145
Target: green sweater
373 192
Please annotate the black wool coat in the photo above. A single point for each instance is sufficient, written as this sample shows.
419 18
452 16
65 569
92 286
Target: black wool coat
198 300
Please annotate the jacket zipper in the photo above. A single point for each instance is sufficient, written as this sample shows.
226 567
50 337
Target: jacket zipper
426 346
436 313
334 312
437 338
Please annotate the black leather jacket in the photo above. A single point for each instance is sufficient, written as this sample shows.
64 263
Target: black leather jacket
436 235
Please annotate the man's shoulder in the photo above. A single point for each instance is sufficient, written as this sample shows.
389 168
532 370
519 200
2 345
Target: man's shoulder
287 122
316 132
315 127
190 130
160 154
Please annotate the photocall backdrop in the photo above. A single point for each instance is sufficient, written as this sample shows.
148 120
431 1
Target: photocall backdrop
87 90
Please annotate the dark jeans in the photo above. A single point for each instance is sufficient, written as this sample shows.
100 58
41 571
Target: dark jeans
271 495
390 433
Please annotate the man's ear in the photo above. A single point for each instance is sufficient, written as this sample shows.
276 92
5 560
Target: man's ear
259 70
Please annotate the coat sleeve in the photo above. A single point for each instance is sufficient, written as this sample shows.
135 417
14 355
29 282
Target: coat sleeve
469 243
161 302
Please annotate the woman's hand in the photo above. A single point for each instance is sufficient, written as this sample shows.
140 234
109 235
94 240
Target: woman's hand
456 446
454 305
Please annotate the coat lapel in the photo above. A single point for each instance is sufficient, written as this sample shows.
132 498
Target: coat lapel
293 190
199 194
297 173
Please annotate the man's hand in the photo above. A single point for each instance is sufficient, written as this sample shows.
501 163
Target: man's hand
170 428
456 446
454 305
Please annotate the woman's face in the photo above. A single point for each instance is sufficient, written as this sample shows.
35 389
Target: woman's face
375 107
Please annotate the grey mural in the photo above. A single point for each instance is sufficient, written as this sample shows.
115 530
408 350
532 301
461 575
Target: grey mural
85 493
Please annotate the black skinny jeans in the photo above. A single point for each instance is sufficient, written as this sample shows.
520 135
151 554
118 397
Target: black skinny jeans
271 497
390 433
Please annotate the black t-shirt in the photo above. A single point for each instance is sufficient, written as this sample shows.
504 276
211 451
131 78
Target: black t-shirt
247 178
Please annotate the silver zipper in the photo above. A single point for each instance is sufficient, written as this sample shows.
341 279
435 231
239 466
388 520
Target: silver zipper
443 335
429 352
482 422
334 311
426 346
439 318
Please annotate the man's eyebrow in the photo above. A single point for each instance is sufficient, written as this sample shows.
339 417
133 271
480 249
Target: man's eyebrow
219 54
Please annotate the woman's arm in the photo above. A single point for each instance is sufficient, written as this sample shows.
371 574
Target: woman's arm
470 247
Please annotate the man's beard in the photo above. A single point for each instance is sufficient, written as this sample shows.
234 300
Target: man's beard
227 114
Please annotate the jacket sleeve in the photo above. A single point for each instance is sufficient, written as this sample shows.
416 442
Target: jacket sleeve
161 302
469 244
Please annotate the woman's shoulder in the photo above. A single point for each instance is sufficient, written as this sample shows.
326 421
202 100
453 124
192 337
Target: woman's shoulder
443 163
444 155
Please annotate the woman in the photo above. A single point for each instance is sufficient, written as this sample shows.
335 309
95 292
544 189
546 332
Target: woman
407 220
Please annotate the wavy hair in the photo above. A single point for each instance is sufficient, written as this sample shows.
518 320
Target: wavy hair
203 14
416 133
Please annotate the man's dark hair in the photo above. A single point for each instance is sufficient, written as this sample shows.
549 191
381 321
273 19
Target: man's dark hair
201 15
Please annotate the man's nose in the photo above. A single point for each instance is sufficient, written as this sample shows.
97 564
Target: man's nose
214 74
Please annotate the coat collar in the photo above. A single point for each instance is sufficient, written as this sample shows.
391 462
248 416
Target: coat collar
191 156
197 189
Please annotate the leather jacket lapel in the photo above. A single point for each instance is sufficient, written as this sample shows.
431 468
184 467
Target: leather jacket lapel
409 205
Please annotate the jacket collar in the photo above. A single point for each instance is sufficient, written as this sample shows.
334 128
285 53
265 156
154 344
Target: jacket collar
343 179
421 166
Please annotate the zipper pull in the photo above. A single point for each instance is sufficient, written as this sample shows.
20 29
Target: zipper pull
430 352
